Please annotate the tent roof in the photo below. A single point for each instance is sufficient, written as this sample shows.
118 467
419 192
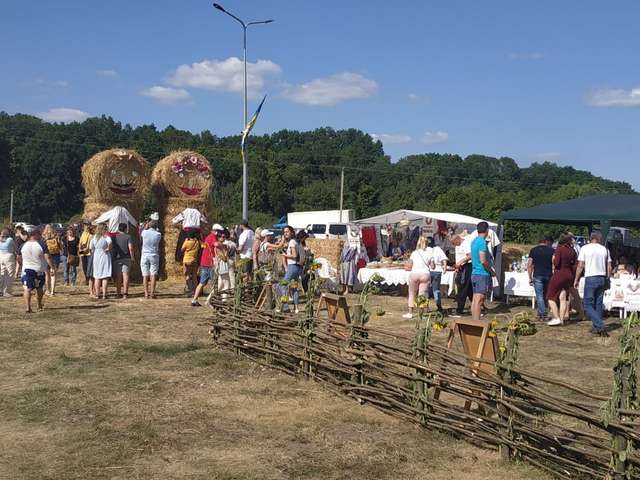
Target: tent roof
411 215
618 209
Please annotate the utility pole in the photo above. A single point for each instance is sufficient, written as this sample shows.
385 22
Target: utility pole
11 209
341 193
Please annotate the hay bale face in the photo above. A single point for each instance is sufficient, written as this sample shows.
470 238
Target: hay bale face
116 177
184 175
181 180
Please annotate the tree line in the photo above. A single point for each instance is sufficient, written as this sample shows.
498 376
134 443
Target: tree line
290 170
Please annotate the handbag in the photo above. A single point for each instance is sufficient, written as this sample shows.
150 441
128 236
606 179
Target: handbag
73 260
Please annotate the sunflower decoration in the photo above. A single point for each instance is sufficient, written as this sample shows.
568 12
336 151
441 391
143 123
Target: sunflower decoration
422 302
315 266
293 284
379 311
493 328
522 324
285 299
440 323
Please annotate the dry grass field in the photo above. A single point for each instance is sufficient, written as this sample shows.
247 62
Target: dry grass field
135 390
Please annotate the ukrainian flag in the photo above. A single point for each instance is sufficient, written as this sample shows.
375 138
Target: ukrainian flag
251 123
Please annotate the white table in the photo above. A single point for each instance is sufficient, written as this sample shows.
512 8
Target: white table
516 284
399 276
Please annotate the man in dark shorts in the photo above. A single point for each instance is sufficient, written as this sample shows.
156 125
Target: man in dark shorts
122 252
540 270
35 261
482 271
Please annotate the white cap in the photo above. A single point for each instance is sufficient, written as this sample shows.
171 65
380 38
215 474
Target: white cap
154 216
217 226
265 233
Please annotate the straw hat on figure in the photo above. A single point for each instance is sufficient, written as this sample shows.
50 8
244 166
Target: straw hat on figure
181 183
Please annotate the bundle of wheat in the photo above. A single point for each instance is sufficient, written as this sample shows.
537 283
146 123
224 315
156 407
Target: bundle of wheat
180 180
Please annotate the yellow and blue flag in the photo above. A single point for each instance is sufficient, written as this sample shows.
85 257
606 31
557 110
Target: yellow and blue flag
249 126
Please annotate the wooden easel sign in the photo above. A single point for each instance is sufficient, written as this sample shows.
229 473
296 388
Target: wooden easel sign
476 342
336 307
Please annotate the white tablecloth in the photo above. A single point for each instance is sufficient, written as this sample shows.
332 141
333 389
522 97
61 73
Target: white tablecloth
399 276
517 284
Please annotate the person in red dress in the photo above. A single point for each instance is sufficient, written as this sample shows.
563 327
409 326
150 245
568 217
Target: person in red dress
565 261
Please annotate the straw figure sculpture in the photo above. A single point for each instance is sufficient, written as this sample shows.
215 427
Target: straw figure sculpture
112 178
180 180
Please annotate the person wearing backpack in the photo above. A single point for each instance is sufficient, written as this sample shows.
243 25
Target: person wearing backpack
55 249
294 257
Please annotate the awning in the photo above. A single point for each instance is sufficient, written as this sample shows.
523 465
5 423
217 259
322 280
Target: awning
413 215
605 209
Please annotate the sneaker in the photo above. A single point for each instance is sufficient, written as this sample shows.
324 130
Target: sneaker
408 316
296 310
554 322
456 315
600 333
195 303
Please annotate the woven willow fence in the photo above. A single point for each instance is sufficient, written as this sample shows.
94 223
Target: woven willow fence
558 427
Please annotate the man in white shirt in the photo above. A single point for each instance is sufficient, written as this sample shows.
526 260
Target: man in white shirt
114 217
35 262
462 244
191 218
245 244
595 262
438 266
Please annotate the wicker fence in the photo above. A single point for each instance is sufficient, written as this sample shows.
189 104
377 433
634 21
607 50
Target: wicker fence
558 427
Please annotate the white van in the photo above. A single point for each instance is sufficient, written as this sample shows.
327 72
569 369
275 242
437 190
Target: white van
328 230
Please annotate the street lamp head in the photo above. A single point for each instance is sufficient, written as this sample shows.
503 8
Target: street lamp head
219 7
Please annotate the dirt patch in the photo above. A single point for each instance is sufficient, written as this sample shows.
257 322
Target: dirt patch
121 390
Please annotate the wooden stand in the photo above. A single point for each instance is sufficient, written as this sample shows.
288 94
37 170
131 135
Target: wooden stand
265 299
336 307
476 343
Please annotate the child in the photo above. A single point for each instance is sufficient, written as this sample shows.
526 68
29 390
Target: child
190 253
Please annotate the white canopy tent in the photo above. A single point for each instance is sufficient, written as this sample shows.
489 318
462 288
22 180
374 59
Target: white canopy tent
414 215
428 220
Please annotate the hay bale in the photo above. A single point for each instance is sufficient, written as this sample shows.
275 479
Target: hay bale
181 180
114 177
329 248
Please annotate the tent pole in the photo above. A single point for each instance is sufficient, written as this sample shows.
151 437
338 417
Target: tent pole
605 226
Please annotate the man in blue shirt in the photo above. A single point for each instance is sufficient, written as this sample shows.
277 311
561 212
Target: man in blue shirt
482 271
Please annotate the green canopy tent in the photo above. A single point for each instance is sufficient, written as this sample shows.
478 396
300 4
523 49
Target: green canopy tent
607 210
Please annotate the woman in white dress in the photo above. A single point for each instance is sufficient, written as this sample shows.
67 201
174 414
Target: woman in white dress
101 251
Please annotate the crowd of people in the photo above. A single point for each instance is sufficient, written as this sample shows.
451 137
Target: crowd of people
555 276
210 253
217 254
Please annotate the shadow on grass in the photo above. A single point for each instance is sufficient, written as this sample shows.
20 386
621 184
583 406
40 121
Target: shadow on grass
162 349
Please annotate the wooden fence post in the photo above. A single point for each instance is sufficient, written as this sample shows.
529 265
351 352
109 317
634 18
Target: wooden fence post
420 345
508 358
624 396
358 322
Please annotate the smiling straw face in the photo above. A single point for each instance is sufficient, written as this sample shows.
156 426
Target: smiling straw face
183 175
116 177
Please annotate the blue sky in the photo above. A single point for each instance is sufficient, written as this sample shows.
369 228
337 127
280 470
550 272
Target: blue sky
534 80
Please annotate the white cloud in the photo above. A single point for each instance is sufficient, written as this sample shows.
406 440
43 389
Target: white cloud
431 138
44 84
331 90
63 115
107 73
167 94
526 56
615 97
547 157
413 97
225 75
391 138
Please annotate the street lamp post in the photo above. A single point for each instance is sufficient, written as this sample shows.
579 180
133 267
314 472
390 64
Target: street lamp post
245 168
